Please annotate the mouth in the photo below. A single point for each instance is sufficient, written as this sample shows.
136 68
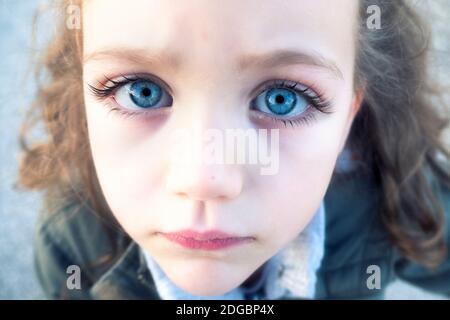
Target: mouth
209 240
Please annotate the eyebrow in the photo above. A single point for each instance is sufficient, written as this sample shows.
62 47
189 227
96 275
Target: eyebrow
285 57
136 55
277 58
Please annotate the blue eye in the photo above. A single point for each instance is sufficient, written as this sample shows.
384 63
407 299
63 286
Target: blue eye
282 102
142 94
285 101
145 94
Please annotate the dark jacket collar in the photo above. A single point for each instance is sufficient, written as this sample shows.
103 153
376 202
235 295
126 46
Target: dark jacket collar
128 278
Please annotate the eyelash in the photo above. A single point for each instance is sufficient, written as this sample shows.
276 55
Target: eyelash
316 99
107 91
317 102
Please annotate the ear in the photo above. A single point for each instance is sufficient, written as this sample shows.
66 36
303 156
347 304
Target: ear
355 106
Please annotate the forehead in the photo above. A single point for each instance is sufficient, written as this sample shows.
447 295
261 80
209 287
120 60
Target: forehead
212 28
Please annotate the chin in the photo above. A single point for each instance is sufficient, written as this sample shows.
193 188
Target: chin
212 279
207 287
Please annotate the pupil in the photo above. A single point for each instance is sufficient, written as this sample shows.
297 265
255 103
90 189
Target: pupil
146 92
279 99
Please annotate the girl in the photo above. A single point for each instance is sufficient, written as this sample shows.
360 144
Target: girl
358 197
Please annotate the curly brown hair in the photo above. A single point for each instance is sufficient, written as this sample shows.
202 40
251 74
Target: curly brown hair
398 130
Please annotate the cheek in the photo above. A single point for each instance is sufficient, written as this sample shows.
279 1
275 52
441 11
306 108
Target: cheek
307 159
128 158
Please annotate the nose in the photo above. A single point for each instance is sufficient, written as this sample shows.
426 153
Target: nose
205 182
200 176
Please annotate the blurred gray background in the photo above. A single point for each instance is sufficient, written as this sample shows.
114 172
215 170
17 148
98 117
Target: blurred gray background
18 209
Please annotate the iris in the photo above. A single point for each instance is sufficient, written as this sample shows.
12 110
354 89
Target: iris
145 94
280 101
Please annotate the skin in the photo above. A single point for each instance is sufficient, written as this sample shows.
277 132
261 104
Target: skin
148 193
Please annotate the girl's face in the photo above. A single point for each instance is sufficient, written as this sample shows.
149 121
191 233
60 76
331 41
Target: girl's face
152 68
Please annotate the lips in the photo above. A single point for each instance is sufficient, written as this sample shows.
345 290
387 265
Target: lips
210 240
